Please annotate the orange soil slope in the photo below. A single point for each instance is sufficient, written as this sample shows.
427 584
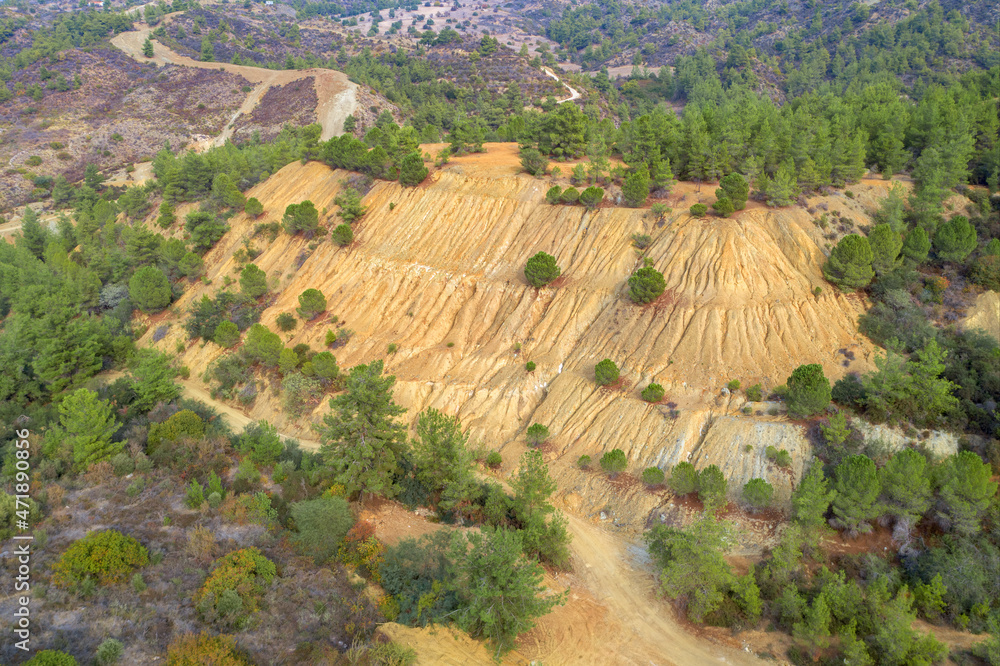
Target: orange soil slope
445 266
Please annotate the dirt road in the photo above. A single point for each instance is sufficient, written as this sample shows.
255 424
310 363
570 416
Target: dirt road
616 575
573 92
236 419
638 627
336 95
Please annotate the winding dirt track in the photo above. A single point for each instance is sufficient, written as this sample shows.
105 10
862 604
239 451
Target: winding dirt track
236 419
337 95
573 92
638 627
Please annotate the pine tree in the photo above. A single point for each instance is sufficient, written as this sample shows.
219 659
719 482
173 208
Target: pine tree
906 487
226 191
253 281
965 490
412 170
781 190
916 246
635 190
814 630
692 564
253 208
500 590
808 390
955 239
147 48
361 440
440 452
735 188
850 264
857 485
33 236
167 217
207 50
811 499
149 289
311 303
88 423
62 191
886 245
541 269
532 487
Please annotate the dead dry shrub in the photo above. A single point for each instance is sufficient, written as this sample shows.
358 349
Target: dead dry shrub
99 473
56 494
201 544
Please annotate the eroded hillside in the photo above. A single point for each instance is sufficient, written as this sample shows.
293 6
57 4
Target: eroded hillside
437 270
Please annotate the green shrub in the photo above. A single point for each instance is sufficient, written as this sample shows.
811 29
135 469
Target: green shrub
646 284
614 462
606 372
51 658
755 393
234 589
758 493
554 195
200 650
300 217
699 210
494 459
351 209
808 391
108 556
652 476
311 303
583 462
195 495
286 322
343 235
185 424
321 525
541 269
537 434
570 195
850 264
724 207
734 385
712 486
653 393
149 289
591 197
530 366
641 241
260 441
955 239
253 281
684 478
109 652
534 162
985 271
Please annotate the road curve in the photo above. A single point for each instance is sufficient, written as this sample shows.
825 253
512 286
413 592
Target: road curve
336 95
573 92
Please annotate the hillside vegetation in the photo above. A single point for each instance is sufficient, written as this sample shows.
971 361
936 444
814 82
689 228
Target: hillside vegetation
342 333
